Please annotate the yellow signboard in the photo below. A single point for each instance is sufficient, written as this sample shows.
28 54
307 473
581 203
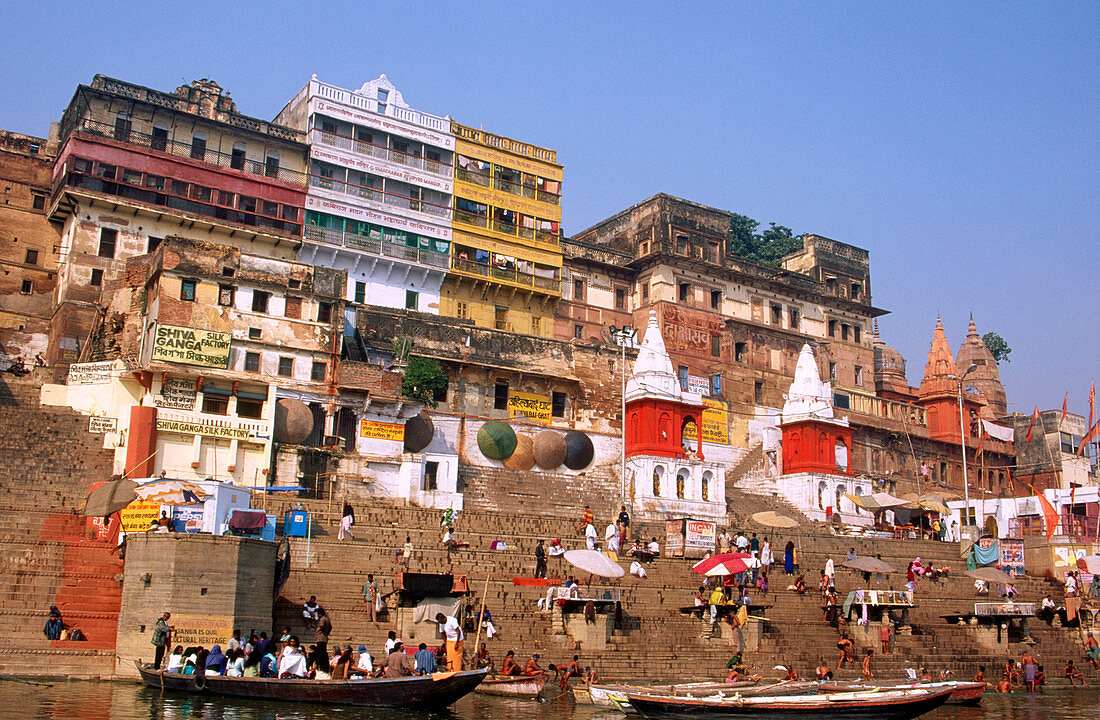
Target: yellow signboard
195 428
204 630
191 346
382 430
534 407
138 516
716 428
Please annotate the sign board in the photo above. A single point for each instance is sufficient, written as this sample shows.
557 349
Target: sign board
1012 556
699 535
201 428
534 407
382 430
187 519
177 393
698 385
191 346
716 427
101 425
674 538
98 373
138 516
204 630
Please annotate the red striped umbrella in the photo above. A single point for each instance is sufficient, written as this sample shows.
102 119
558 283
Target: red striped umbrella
722 564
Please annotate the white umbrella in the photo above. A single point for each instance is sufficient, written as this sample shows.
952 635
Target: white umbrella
595 562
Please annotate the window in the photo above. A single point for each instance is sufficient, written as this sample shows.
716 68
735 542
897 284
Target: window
715 345
832 371
259 301
215 404
360 291
286 366
578 332
252 362
758 391
777 314
857 333
856 290
578 289
228 272
859 375
830 286
106 171
739 350
317 372
226 294
155 182
557 404
122 127
236 158
107 240
38 201
500 394
842 401
160 136
294 283
26 287
431 473
832 328
131 177
620 299
682 247
82 165
536 325
645 291
685 292
716 385
187 290
249 408
293 308
500 317
716 299
682 374
31 258
461 310
97 277
844 328
153 244
271 164
198 146
793 318
412 300
324 312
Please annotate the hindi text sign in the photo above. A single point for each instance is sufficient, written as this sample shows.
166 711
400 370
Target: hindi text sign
530 405
191 346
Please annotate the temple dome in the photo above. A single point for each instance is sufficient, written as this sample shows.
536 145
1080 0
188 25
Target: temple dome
986 377
653 375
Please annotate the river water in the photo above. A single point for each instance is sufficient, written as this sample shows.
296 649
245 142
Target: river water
130 701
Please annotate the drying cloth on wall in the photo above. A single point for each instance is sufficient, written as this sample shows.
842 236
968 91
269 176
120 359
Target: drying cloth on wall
427 608
989 555
248 519
999 432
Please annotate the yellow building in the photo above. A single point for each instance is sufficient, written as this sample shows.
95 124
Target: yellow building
506 253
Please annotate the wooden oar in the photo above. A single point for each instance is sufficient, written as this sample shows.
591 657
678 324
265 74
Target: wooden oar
477 637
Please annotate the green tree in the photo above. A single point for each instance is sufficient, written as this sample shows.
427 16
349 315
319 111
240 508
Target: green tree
424 381
743 238
767 247
997 346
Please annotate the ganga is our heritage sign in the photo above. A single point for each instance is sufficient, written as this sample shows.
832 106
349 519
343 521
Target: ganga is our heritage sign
191 346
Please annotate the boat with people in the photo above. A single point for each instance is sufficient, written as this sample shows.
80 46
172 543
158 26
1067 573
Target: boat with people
412 692
881 705
963 693
522 686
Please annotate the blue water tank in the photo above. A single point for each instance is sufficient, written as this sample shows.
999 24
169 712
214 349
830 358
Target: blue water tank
296 523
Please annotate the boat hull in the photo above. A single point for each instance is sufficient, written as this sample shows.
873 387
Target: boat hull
418 692
519 686
889 706
964 693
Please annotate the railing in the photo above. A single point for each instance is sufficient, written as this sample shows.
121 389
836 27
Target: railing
507 144
361 147
377 246
552 285
1004 608
187 150
865 404
413 117
176 202
508 186
383 197
507 228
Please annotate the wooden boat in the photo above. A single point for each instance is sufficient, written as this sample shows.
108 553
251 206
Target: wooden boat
888 705
964 693
525 686
614 696
417 692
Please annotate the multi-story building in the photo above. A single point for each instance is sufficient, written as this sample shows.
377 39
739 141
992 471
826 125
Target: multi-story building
506 255
28 245
136 164
380 181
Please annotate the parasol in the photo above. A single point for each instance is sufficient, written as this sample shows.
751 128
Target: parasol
171 492
989 574
595 562
723 564
869 564
1089 563
109 498
771 518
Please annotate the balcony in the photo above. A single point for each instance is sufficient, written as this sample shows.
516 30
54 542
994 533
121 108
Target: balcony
348 97
507 228
381 197
186 150
502 143
508 186
469 267
378 152
377 246
867 404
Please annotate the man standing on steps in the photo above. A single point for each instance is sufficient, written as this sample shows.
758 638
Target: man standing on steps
867 674
830 571
540 560
452 631
324 629
370 596
162 637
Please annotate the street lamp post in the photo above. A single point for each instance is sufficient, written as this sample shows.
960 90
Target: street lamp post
622 335
962 442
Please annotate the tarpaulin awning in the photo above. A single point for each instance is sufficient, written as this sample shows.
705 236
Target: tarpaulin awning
595 562
869 564
770 518
989 574
878 501
723 564
247 519
171 492
999 432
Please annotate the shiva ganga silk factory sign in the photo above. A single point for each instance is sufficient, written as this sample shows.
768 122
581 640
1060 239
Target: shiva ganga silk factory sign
530 405
191 346
186 427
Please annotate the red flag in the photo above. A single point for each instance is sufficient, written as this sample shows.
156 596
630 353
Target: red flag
1030 425
1092 401
1092 434
1065 404
981 439
1050 515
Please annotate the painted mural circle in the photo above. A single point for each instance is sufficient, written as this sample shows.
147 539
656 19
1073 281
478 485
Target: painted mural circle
496 439
293 421
549 449
419 431
523 457
578 450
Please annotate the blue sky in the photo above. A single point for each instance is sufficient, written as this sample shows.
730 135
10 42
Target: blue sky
958 142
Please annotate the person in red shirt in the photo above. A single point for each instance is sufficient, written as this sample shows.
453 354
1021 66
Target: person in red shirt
586 519
884 637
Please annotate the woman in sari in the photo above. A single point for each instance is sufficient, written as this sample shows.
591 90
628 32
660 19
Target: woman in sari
788 558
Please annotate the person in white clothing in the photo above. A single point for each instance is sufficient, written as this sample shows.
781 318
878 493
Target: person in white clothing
590 536
611 537
830 571
766 556
637 569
